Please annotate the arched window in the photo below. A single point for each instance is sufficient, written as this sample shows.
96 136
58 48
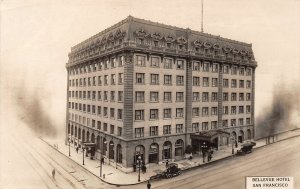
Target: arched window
87 136
79 133
75 131
98 142
153 153
179 148
249 134
83 135
119 153
93 138
111 150
139 151
104 146
167 150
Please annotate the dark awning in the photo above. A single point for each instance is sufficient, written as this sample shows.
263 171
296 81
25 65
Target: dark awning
209 135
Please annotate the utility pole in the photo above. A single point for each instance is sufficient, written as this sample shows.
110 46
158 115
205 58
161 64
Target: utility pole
202 16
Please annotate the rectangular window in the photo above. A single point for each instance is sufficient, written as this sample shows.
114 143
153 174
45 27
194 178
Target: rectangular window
233 96
214 82
233 83
225 123
112 95
139 96
168 63
241 121
196 96
140 60
180 64
195 127
113 63
167 97
113 79
120 96
225 69
93 109
214 111
139 114
248 109
99 125
248 121
179 80
205 81
248 84
99 80
215 68
242 71
241 83
120 80
248 96
241 96
196 81
93 123
120 114
179 112
179 128
94 81
154 96
233 122
140 78
225 96
104 126
205 97
154 79
168 79
112 113
195 112
179 96
205 111
99 110
154 131
139 132
167 129
112 129
204 126
106 80
154 114
234 70
206 67
99 95
241 109
105 98
196 66
248 71
154 62
214 96
119 131
121 61
105 112
167 113
233 109
225 110
225 83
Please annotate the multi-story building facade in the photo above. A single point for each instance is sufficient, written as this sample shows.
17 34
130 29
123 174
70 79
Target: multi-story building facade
146 89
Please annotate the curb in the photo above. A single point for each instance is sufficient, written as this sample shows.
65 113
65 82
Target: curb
183 170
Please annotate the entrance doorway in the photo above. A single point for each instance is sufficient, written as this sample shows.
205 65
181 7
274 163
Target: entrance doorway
153 153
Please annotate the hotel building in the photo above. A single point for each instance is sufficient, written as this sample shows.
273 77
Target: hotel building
141 88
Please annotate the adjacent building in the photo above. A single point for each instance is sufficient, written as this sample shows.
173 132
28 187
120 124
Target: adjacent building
141 88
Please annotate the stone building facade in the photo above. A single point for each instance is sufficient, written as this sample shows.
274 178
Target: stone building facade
146 89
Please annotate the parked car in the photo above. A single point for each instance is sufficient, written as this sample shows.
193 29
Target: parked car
171 171
246 148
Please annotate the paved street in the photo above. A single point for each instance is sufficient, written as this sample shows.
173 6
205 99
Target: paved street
278 159
28 162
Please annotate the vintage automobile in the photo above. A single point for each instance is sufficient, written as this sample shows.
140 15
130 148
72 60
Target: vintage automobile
171 171
246 148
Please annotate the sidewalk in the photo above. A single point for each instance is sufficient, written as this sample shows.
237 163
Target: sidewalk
113 175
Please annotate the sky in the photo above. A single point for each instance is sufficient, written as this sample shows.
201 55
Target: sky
37 35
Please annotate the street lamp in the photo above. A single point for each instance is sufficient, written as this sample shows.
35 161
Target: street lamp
69 147
139 161
204 146
83 155
232 141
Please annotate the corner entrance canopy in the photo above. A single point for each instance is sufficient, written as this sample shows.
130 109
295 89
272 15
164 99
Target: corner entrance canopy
209 135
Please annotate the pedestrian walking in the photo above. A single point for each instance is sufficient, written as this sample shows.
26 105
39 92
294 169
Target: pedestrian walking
236 144
77 149
148 185
102 160
53 173
167 163
144 168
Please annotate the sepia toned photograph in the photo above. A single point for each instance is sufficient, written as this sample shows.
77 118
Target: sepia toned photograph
194 94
